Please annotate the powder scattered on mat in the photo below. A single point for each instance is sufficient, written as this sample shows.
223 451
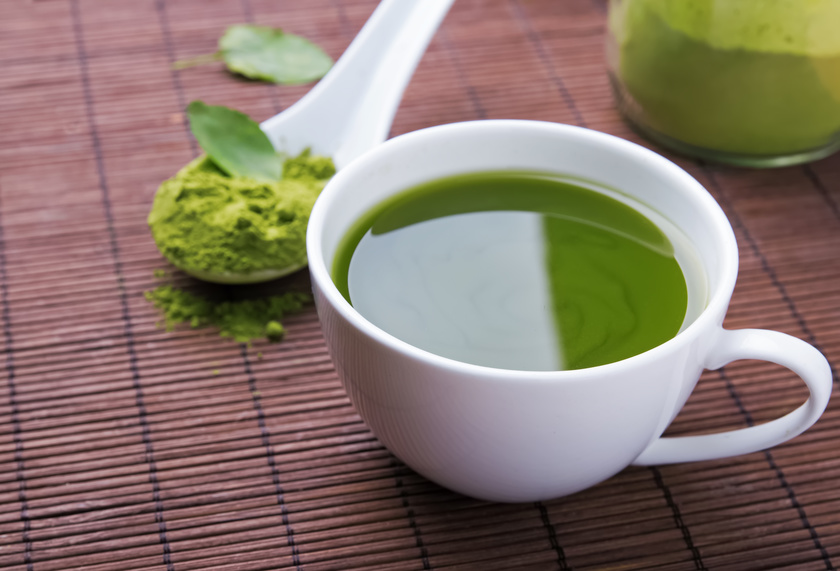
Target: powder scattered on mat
243 320
205 220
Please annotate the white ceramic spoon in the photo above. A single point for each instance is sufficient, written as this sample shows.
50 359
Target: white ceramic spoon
351 109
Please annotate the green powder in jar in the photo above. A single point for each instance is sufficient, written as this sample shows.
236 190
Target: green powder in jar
207 221
751 77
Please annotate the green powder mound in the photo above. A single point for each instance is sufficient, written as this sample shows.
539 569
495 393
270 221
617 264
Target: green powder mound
204 220
243 320
307 167
803 27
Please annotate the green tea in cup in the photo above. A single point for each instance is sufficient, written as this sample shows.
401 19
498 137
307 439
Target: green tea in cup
527 245
520 270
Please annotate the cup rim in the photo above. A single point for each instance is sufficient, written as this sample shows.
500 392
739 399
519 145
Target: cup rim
716 306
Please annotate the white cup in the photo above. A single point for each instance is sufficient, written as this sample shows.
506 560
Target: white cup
516 436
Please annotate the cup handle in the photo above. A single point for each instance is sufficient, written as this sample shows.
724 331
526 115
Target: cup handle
779 348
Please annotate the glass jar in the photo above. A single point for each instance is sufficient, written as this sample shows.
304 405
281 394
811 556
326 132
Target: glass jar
746 82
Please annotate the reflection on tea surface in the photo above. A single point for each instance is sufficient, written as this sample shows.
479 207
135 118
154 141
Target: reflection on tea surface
515 271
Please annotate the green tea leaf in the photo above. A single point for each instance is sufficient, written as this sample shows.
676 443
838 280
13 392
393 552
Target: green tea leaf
269 54
234 142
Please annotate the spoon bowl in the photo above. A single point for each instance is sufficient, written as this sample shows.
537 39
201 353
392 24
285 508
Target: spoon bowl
231 278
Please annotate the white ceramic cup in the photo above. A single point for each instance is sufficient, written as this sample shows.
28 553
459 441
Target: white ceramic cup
515 436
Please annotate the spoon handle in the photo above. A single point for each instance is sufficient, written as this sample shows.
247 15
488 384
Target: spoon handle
352 108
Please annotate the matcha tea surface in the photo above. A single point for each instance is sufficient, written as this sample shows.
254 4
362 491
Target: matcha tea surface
514 270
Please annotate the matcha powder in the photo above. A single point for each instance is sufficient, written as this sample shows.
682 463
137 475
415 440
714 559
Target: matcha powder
243 320
207 221
749 77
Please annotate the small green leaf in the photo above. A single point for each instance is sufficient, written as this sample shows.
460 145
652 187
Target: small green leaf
234 142
269 54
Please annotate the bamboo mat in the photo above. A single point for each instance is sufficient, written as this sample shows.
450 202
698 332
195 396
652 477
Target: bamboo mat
123 446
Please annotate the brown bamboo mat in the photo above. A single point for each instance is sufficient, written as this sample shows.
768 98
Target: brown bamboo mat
125 447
